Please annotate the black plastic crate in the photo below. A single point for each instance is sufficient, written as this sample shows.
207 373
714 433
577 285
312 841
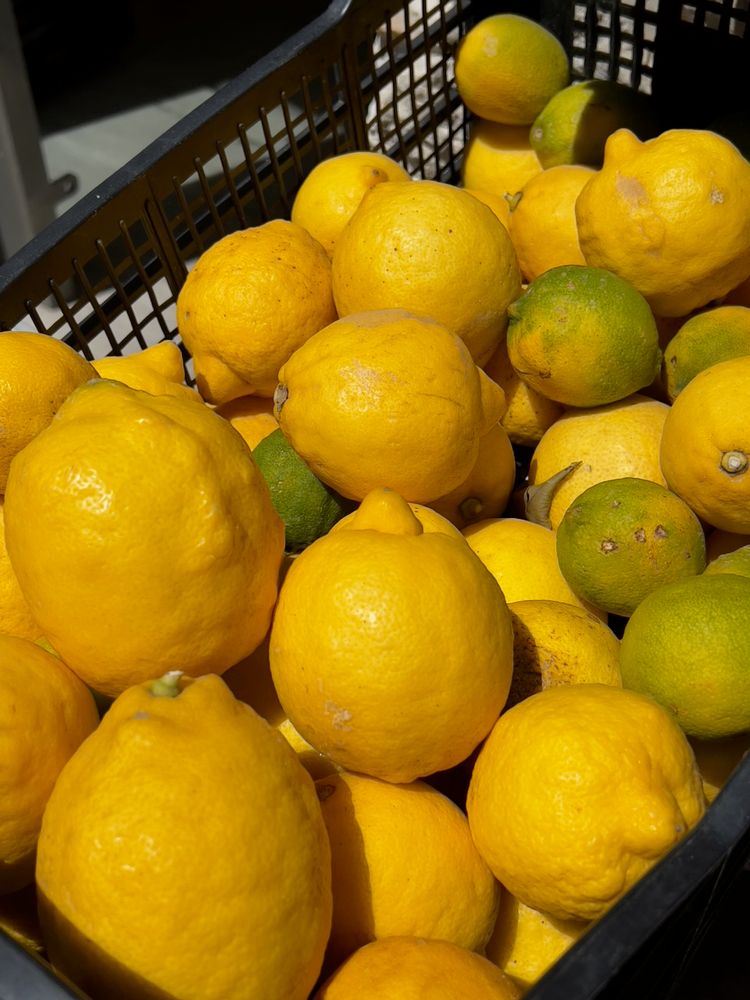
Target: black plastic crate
367 74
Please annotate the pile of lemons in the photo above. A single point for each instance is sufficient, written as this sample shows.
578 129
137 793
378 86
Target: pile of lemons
387 659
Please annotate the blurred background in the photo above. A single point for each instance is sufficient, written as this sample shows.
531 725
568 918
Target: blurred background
80 94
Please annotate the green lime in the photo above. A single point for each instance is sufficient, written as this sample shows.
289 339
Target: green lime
688 646
621 539
737 561
717 334
307 506
574 125
583 336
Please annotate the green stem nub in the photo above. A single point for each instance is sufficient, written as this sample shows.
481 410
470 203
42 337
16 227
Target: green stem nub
168 685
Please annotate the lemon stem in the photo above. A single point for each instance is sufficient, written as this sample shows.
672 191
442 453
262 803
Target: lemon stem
280 396
734 462
538 499
168 685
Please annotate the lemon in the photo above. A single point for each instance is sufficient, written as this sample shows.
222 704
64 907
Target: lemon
413 246
528 413
574 124
387 399
560 789
623 538
717 334
671 215
583 337
737 561
508 67
498 159
307 506
186 796
332 190
686 645
157 369
251 416
558 643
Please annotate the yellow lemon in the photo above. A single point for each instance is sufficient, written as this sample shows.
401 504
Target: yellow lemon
528 413
737 561
413 968
546 813
574 125
486 490
427 517
498 159
403 863
377 627
143 537
525 942
412 246
508 67
332 190
185 796
386 398
251 300
603 442
555 642
583 337
251 416
686 646
37 373
705 447
542 222
40 699
522 558
157 369
623 538
714 335
670 215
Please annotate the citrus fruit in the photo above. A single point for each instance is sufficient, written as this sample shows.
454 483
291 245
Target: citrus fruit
525 942
486 490
522 558
427 517
576 121
37 373
670 215
391 646
556 829
717 759
157 369
411 968
714 335
737 561
411 246
250 300
403 863
542 222
610 442
583 337
15 615
386 398
686 646
186 797
332 190
508 67
621 539
498 159
555 642
528 413
251 416
143 537
705 446
497 202
39 697
307 506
